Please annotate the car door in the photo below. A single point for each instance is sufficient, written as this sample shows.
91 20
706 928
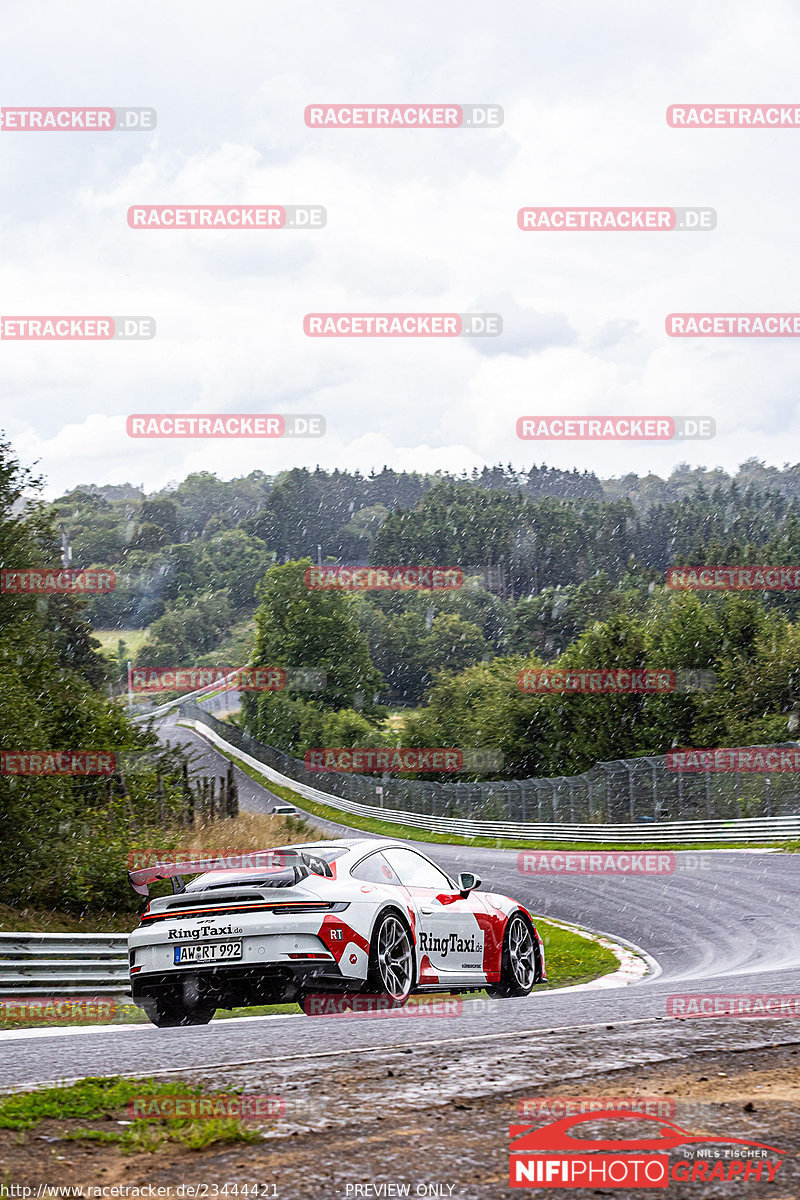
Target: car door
450 939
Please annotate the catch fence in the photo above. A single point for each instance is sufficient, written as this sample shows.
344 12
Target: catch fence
626 792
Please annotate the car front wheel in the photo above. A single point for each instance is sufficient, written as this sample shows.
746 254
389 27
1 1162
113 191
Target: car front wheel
518 968
391 960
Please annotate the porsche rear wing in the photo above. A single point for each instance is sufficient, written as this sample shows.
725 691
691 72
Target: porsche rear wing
302 863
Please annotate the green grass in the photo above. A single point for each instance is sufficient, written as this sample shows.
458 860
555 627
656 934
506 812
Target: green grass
572 959
393 830
134 639
127 1013
44 920
146 1137
107 1100
91 1097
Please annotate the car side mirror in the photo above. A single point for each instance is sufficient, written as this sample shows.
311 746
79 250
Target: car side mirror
467 882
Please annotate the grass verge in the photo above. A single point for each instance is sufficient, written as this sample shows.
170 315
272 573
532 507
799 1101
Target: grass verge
572 959
89 1110
44 920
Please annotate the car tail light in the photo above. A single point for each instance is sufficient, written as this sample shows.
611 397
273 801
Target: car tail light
309 906
287 906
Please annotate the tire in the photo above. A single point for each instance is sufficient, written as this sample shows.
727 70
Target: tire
518 965
166 1010
391 973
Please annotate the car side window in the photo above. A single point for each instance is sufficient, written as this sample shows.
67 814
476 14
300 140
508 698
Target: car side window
375 869
416 871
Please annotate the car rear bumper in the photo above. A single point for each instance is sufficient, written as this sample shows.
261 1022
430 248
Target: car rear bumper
241 985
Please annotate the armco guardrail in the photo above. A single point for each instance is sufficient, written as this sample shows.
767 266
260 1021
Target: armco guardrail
254 754
623 792
144 710
63 964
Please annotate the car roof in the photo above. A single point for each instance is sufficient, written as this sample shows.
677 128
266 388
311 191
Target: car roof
354 844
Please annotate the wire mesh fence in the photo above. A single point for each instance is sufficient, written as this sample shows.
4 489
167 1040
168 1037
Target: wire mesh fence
631 790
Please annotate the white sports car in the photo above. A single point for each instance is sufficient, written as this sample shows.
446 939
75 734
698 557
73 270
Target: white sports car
345 916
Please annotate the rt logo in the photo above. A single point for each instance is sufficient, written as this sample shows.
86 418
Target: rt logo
551 1157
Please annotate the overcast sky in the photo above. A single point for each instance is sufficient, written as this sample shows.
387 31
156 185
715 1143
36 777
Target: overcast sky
417 221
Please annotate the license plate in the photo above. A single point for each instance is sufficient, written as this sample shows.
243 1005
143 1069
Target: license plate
213 952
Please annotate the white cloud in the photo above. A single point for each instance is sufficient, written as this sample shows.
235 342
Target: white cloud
417 221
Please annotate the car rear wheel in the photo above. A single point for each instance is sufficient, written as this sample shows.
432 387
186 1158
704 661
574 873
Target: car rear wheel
391 960
518 967
167 1010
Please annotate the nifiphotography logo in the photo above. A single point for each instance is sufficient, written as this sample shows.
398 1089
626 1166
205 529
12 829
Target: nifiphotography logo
551 1156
